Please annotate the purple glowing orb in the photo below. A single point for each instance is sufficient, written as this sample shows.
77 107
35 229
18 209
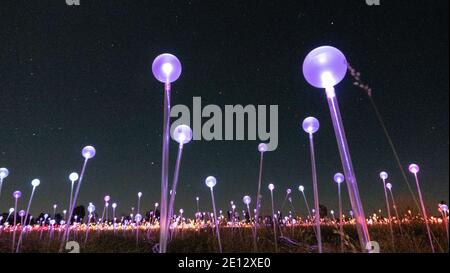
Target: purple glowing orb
262 147
17 194
247 200
22 213
339 178
413 168
310 125
166 68
182 134
88 152
324 67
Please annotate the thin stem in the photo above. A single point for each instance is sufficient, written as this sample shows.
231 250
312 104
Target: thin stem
389 214
175 182
352 185
424 213
316 193
216 223
274 224
165 170
341 223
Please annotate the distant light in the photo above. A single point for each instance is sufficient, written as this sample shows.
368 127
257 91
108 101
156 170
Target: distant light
166 68
73 177
384 175
35 182
210 181
413 168
262 147
288 191
301 188
17 194
114 205
247 200
182 134
310 125
139 194
4 172
271 187
88 152
107 198
389 186
339 178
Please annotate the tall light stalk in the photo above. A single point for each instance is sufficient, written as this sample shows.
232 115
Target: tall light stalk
384 176
271 188
211 181
414 169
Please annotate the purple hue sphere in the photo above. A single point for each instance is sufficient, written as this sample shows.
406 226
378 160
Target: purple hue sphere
324 67
166 68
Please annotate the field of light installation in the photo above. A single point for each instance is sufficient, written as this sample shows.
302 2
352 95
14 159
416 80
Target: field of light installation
294 219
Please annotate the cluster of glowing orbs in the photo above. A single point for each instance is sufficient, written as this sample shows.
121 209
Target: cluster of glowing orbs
271 187
35 182
324 67
182 134
262 147
384 175
210 181
413 168
310 125
339 178
166 68
247 200
88 152
4 172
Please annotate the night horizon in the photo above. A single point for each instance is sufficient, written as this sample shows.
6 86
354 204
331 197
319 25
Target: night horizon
82 75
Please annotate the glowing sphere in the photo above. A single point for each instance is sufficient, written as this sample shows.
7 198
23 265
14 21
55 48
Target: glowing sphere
139 194
332 211
262 147
55 206
156 204
288 191
247 200
3 173
233 207
339 178
91 208
301 188
196 198
413 168
138 217
182 134
107 198
384 175
17 194
444 208
310 125
11 210
271 187
166 68
52 222
114 205
22 213
64 211
324 67
389 186
88 152
181 211
210 181
35 182
73 177
46 216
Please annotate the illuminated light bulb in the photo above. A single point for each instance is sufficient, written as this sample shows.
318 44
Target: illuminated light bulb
301 188
247 200
166 68
17 194
182 134
339 178
324 67
73 177
210 181
384 175
88 152
271 187
35 182
310 125
262 147
4 172
413 168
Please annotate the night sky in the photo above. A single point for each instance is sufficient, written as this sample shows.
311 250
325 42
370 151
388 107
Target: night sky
72 76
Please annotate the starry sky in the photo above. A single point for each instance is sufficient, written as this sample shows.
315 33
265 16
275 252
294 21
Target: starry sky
72 76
